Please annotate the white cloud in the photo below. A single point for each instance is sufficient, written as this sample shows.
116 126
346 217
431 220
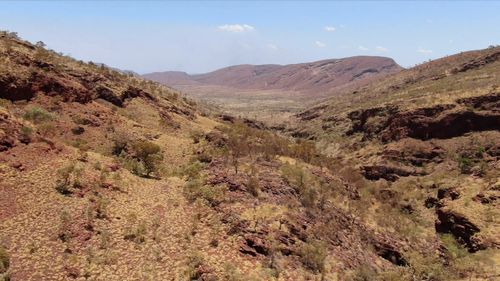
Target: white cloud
329 28
362 48
424 51
320 44
237 28
381 49
272 46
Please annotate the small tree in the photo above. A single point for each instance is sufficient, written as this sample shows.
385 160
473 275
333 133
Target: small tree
149 154
38 115
253 183
313 255
40 44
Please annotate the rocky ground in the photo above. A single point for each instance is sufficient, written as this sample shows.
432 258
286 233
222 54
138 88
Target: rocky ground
105 176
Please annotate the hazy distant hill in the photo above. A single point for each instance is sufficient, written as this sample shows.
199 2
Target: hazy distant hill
319 77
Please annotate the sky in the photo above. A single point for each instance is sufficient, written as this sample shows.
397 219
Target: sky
197 37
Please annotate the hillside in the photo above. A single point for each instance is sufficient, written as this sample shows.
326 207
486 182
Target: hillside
315 78
263 90
106 176
442 81
320 78
428 136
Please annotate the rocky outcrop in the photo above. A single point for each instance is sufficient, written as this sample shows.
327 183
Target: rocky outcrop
389 173
133 92
414 152
431 202
486 102
442 121
390 253
486 198
249 122
448 193
11 89
254 245
418 125
312 113
10 132
108 95
478 62
216 138
370 121
460 227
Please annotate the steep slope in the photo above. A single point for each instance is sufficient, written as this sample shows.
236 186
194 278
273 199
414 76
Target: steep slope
318 78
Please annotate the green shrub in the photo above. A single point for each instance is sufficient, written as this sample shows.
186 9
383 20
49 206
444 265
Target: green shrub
38 115
136 230
308 197
304 184
101 207
134 166
191 189
26 134
213 195
149 154
232 273
426 267
253 185
105 239
169 123
194 263
465 164
120 144
192 170
454 248
47 130
64 232
69 178
313 255
4 260
81 144
204 157
5 103
364 273
196 135
295 175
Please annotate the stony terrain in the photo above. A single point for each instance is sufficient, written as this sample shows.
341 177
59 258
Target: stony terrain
106 176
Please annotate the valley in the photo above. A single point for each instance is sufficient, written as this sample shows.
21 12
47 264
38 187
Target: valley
360 170
271 93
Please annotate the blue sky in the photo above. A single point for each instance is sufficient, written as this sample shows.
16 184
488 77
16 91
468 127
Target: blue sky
203 36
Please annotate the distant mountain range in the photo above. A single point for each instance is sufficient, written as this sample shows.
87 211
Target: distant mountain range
314 78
